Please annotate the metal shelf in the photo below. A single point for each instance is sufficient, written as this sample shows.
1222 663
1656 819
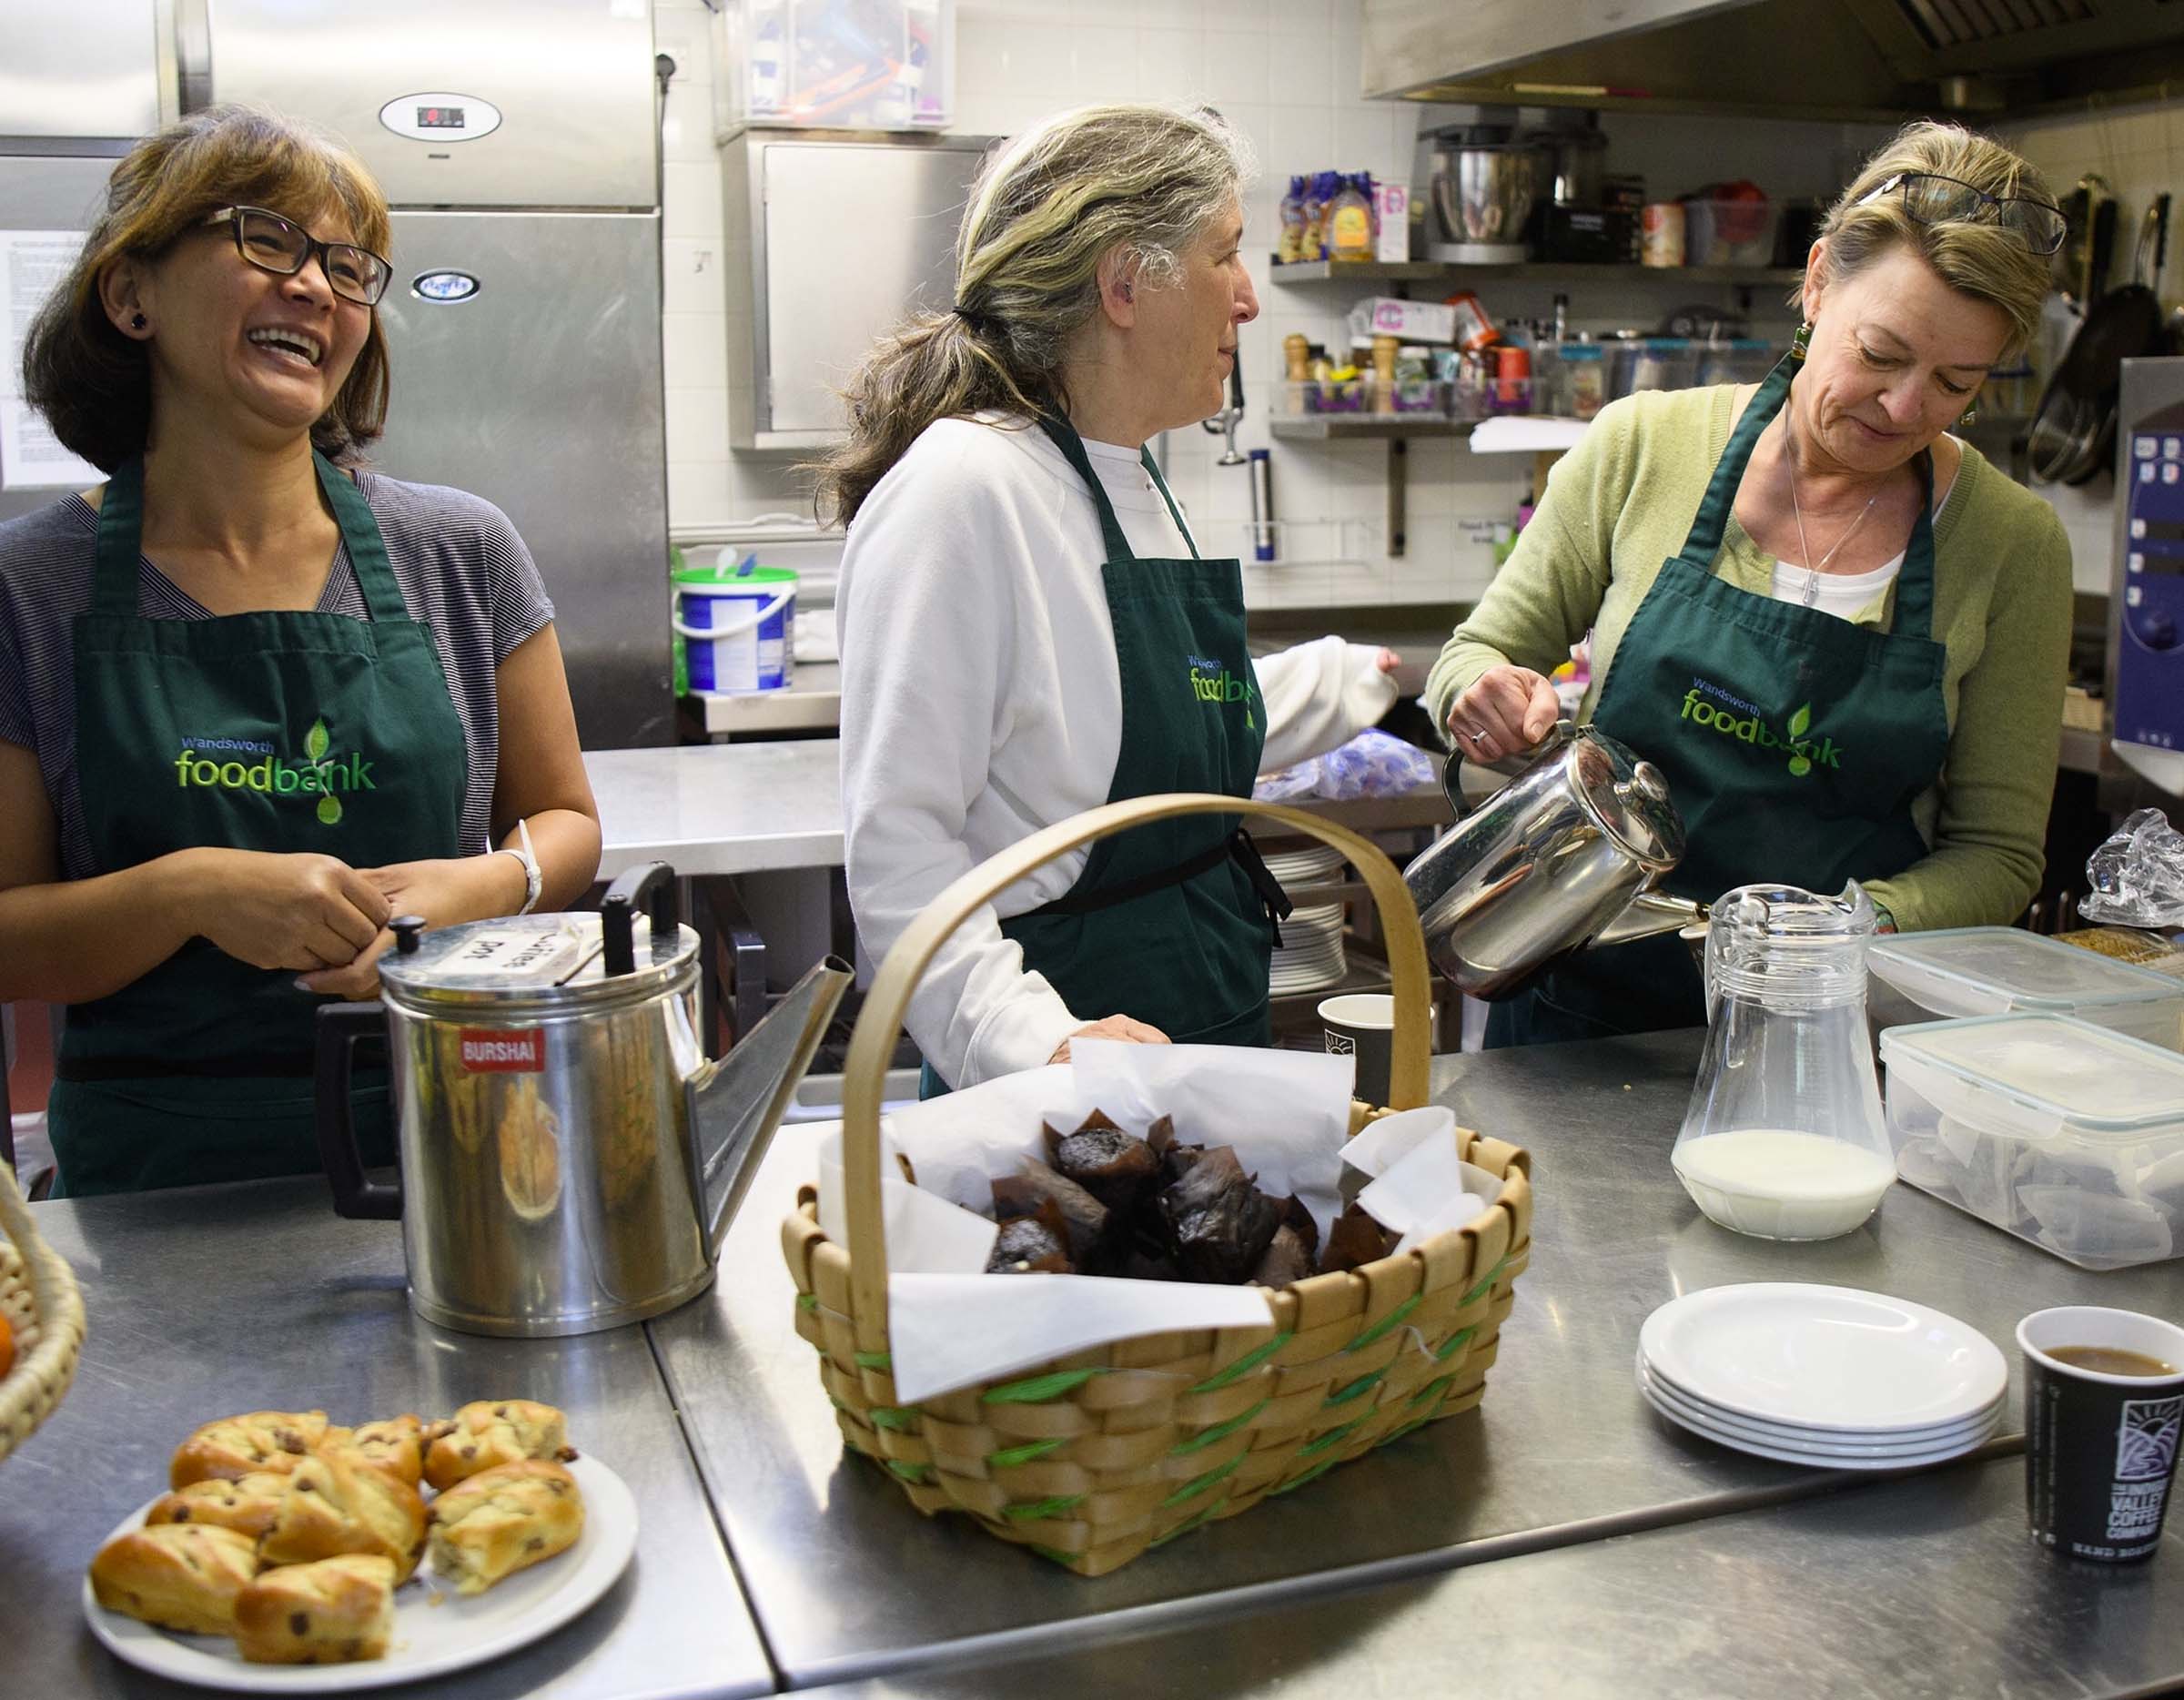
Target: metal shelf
1540 271
1365 427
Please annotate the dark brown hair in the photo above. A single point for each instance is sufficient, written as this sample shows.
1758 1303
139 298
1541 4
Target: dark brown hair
93 384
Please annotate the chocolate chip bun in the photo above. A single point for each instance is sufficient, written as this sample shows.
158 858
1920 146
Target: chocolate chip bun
395 1444
335 1611
503 1519
252 1444
338 1504
248 1504
494 1431
178 1575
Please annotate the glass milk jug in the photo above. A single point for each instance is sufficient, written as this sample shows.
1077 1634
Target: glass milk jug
1784 1138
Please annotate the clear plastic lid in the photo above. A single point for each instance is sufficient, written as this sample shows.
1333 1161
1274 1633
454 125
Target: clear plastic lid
2094 1079
1986 970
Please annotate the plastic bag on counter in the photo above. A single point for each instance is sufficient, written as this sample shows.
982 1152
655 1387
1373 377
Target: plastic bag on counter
2139 875
1372 765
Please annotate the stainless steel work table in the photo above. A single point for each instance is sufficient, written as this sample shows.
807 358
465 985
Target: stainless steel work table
218 1300
720 808
847 1581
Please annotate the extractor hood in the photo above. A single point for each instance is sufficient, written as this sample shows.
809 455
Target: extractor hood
1832 59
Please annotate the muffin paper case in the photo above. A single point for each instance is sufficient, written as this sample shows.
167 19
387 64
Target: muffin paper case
1110 1450
39 1298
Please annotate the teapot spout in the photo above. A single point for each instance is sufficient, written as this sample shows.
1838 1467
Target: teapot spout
1648 914
737 1100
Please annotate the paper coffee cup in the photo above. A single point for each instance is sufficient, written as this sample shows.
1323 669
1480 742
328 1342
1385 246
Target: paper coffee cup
1362 1025
2100 1449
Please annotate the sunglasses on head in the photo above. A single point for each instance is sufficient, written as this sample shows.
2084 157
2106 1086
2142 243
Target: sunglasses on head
1931 198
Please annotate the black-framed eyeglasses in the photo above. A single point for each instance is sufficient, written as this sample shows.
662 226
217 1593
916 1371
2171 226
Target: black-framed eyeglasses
281 244
1933 199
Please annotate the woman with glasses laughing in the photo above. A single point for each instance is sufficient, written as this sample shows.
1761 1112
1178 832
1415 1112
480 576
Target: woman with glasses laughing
255 700
1839 632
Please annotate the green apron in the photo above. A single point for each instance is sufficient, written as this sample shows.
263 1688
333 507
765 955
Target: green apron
1795 744
280 731
1173 923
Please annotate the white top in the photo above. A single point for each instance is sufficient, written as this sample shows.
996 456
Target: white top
1846 595
981 701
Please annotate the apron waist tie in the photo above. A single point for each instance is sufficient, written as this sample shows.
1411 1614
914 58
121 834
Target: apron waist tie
294 1066
1237 847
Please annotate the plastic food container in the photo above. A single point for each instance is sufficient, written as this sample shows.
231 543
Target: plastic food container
2062 1133
1992 970
882 64
1729 233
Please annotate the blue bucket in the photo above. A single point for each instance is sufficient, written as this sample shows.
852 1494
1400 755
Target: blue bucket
738 626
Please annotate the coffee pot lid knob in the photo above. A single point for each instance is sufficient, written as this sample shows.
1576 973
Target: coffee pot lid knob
409 933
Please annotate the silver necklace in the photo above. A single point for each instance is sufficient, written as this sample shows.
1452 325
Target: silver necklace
1814 568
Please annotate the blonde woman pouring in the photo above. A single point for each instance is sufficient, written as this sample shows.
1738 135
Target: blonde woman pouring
1029 629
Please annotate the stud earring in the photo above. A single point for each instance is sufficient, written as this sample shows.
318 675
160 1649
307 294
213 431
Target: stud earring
1968 415
1801 342
136 322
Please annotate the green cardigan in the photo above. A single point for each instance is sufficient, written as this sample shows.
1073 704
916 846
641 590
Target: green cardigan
1621 503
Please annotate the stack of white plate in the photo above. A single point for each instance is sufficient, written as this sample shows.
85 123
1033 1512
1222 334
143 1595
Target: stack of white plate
1310 956
1830 1376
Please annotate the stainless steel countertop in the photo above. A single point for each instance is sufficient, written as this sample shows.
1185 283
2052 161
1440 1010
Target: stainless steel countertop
1919 1586
211 1301
720 808
848 1581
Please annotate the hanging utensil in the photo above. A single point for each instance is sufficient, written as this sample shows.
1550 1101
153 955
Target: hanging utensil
2074 426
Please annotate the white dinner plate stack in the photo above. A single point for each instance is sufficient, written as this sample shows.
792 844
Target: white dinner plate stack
1310 956
1829 1376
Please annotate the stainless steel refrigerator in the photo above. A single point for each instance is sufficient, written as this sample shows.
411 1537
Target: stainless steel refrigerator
519 143
80 80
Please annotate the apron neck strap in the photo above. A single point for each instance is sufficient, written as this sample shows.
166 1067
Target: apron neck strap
121 542
1065 438
1915 582
1160 484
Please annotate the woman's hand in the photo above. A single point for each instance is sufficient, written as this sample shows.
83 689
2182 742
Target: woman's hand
1113 1028
273 911
1505 712
444 891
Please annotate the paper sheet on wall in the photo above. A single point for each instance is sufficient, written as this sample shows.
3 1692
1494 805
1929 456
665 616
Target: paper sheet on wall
31 265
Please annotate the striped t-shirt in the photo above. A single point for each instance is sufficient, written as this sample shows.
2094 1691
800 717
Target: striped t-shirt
459 565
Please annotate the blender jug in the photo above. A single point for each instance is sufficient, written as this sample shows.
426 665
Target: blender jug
1784 1138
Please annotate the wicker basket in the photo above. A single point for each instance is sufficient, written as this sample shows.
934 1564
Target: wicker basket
38 1296
1103 1454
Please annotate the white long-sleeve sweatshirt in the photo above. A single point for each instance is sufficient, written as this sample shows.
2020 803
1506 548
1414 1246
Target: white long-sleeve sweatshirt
981 701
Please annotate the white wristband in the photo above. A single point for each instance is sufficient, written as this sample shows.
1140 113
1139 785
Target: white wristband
533 881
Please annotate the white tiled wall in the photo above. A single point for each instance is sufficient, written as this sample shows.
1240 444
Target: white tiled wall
1286 73
2139 150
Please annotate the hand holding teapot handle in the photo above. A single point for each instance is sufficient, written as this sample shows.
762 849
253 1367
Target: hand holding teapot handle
1506 710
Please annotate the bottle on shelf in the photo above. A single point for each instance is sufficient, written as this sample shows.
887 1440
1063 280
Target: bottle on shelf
1290 248
1349 223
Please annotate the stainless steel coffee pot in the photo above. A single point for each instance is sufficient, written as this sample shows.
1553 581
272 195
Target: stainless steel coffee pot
569 1158
1562 856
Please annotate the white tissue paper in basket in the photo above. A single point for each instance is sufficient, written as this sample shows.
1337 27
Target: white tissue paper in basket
950 1325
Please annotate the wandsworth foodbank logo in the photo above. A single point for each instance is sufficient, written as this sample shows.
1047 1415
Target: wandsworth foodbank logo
1708 705
320 774
1212 682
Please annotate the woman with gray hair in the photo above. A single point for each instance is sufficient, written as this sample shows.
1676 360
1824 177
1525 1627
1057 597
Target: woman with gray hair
1029 629
1838 631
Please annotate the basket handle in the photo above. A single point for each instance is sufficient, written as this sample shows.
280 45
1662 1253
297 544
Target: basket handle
872 1045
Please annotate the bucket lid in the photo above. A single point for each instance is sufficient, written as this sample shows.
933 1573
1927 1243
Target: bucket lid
1984 970
722 577
533 964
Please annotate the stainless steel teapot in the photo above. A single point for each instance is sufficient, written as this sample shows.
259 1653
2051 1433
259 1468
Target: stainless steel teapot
569 1158
1564 856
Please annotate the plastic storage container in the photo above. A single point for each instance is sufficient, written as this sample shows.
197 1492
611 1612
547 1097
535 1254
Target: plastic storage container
1992 970
2062 1133
1729 233
835 65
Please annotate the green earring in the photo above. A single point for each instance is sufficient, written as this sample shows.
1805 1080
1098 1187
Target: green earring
1802 342
1968 415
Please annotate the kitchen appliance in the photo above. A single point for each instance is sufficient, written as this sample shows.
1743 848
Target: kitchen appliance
570 1159
518 141
1483 199
1784 1137
74 97
2145 597
837 239
1562 856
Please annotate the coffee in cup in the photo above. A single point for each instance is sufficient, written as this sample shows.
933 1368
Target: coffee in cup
2104 1408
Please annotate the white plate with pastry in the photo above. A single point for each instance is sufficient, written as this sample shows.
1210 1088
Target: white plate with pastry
435 1629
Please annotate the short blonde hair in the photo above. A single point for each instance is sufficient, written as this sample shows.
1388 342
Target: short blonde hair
1977 256
93 384
1143 181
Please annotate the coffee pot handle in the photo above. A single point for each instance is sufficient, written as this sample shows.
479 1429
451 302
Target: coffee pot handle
1562 732
654 880
341 1028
